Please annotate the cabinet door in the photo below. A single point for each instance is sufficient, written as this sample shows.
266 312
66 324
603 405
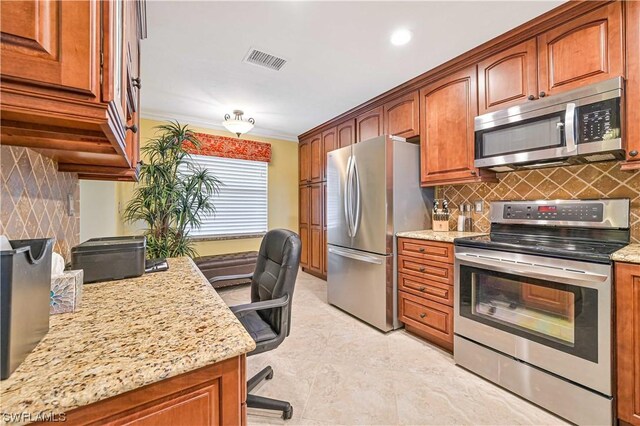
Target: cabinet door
305 203
329 143
315 249
633 84
304 243
508 77
628 341
585 50
401 116
369 125
346 133
447 110
53 44
304 161
316 203
316 152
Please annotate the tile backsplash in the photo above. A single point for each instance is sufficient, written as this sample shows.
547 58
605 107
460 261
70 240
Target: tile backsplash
34 199
601 180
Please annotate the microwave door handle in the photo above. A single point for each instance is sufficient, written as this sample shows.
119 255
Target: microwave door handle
570 128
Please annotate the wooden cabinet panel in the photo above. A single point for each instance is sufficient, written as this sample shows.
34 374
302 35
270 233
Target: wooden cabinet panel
548 299
447 110
304 242
431 290
582 51
316 164
52 44
628 341
369 124
305 204
433 321
426 269
401 116
329 143
632 84
346 133
508 78
316 202
315 249
428 250
304 161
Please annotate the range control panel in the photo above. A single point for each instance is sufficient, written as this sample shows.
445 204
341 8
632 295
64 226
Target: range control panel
574 212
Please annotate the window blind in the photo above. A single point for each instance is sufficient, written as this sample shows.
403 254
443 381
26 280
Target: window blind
241 204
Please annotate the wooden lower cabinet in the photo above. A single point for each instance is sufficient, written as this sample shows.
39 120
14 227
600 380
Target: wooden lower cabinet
312 229
627 287
212 395
425 289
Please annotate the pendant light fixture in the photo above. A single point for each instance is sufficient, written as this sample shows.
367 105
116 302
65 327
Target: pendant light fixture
237 125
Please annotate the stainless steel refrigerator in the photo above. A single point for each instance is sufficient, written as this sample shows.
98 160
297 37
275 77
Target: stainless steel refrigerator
373 191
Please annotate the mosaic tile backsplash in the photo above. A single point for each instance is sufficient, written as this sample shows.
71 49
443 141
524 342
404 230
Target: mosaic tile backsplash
33 199
601 180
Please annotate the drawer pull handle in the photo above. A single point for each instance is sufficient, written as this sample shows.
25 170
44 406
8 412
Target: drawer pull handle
421 249
422 288
422 269
422 315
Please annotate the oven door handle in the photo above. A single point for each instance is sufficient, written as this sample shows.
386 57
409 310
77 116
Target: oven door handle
579 278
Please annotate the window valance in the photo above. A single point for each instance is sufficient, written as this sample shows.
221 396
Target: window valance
226 147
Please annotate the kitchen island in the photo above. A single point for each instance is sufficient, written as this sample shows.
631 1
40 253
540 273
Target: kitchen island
161 348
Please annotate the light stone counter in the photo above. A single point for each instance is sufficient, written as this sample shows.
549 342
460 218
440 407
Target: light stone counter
127 334
445 237
629 254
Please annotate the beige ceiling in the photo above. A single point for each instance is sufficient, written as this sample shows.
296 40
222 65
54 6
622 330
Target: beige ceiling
339 55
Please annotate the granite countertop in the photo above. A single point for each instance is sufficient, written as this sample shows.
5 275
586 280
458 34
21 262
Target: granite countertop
445 237
127 334
629 254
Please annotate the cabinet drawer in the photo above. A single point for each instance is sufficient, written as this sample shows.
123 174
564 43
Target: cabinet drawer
433 321
426 269
429 250
432 290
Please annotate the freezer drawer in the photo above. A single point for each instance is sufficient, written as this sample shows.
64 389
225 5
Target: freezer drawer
362 284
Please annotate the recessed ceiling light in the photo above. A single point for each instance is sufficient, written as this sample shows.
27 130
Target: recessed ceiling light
400 37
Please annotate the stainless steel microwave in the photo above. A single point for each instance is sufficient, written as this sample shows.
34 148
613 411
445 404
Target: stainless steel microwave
575 127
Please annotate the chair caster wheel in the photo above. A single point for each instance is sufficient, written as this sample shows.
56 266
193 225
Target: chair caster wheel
286 415
269 376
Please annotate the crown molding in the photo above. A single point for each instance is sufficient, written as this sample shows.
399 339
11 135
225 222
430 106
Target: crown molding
200 122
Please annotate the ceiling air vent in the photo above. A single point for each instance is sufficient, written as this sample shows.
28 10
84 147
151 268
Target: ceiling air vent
264 59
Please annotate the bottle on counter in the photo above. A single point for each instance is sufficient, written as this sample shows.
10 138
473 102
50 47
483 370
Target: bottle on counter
462 220
468 219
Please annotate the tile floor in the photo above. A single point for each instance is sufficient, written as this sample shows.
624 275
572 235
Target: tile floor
335 369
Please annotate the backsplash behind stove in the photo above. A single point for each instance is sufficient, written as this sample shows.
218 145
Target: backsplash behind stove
601 180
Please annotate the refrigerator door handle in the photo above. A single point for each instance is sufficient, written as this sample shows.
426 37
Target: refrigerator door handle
356 215
356 256
347 198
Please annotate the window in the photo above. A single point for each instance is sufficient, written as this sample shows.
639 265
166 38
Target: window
241 205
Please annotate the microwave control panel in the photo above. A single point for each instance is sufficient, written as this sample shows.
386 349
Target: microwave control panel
578 212
599 121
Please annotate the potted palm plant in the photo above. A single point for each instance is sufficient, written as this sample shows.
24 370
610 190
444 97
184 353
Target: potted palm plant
173 193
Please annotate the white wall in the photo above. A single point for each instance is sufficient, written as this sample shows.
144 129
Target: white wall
99 216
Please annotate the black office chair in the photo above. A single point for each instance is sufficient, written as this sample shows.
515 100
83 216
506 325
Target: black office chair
268 317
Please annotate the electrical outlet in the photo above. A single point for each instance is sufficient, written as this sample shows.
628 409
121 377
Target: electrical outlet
479 206
71 209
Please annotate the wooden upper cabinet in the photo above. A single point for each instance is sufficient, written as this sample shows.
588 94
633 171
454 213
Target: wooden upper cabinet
632 14
346 132
304 161
402 116
447 110
329 143
628 341
64 88
52 44
369 124
508 78
582 51
316 154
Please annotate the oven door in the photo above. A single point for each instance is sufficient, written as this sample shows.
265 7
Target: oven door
539 136
552 313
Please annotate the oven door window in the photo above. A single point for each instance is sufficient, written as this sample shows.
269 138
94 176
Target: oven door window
561 316
528 135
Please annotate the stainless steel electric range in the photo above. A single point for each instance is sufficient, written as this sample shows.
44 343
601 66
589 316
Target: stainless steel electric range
533 309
